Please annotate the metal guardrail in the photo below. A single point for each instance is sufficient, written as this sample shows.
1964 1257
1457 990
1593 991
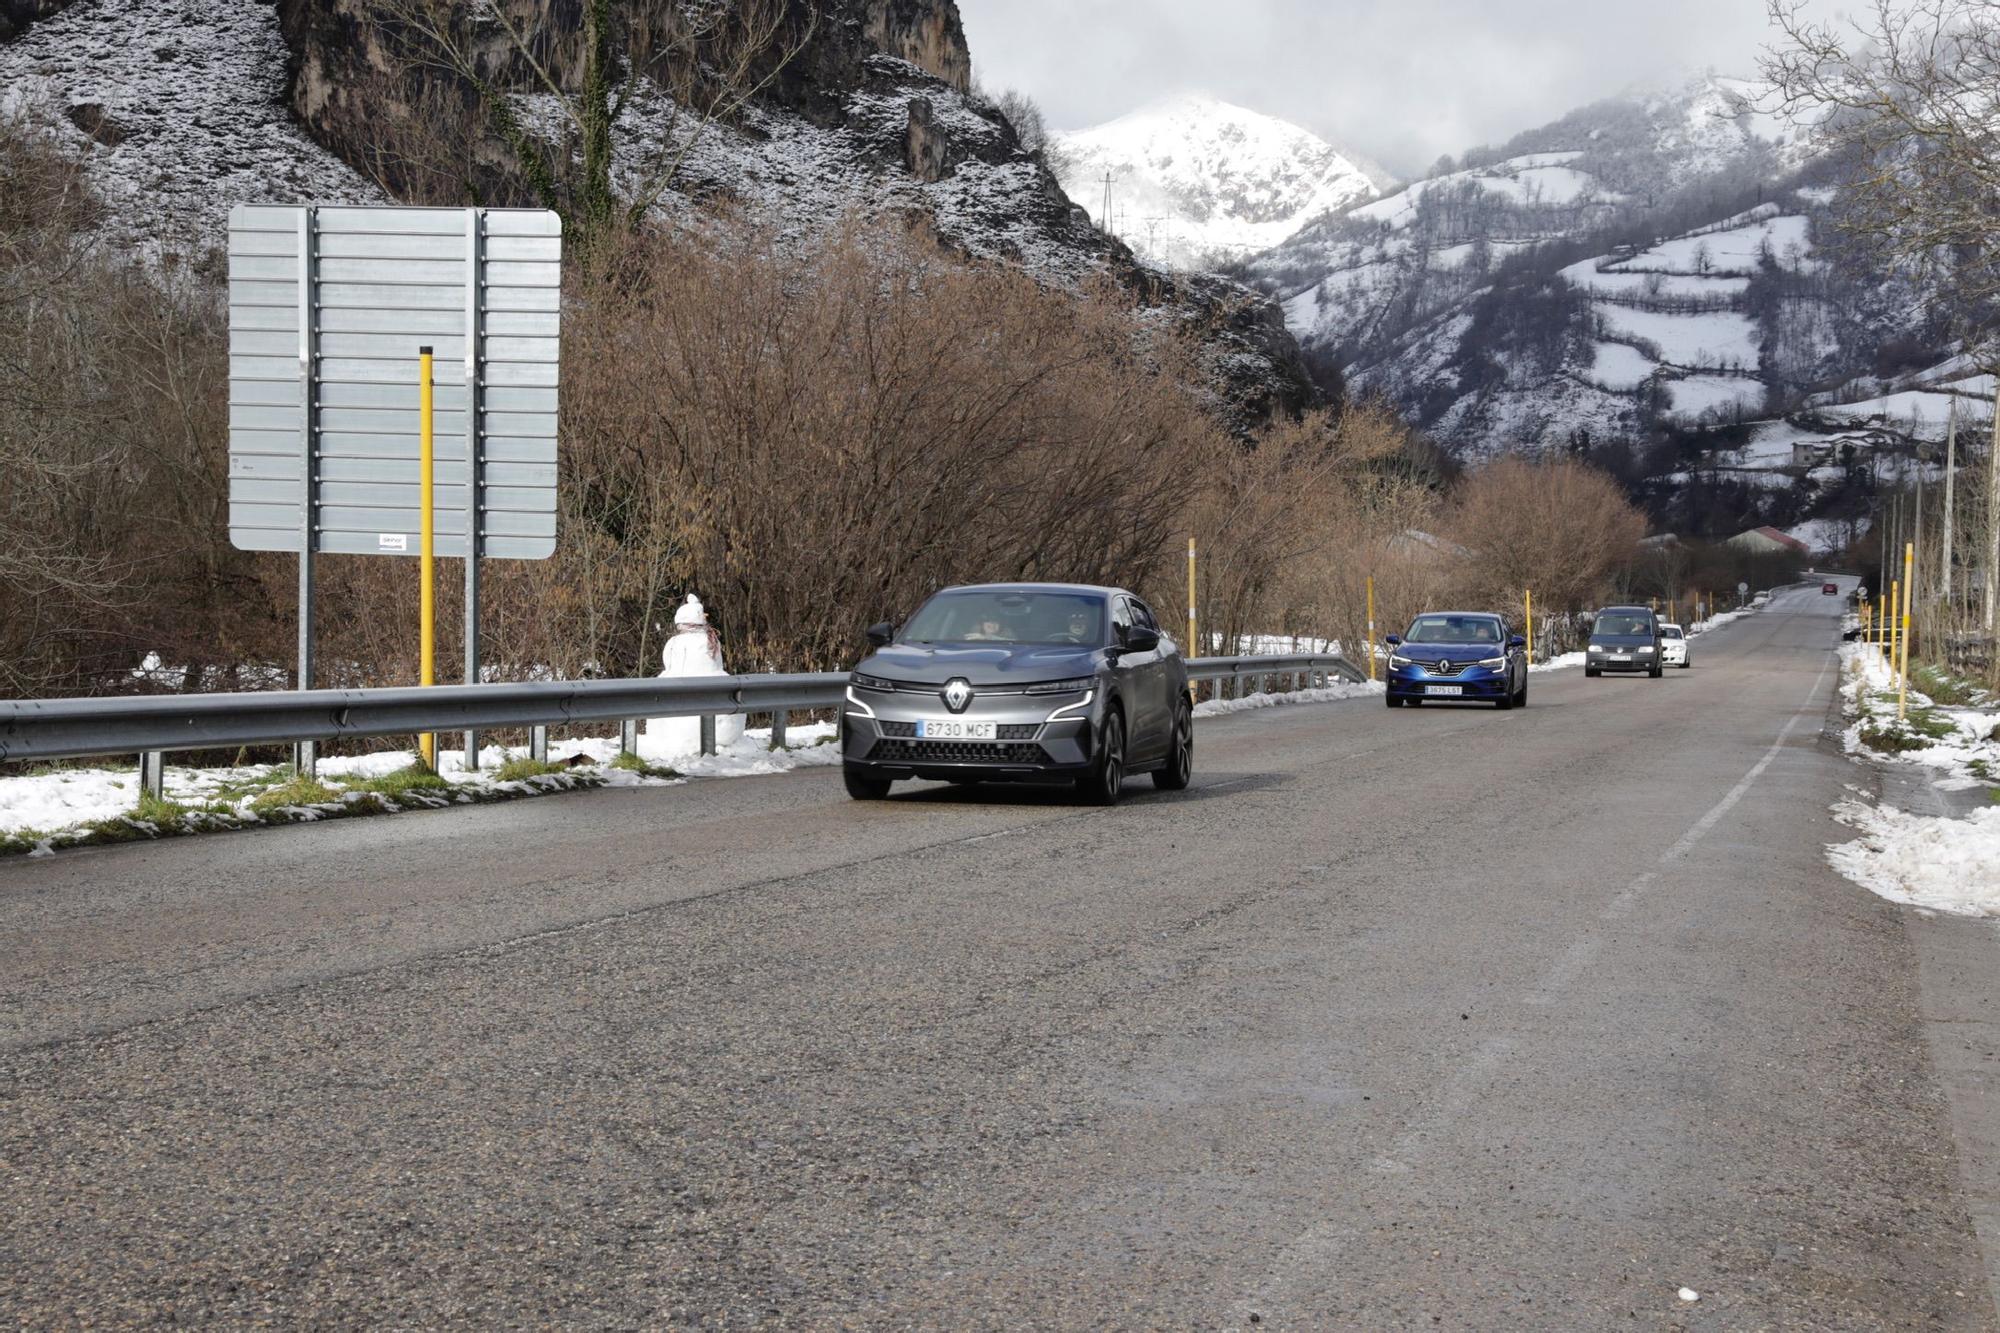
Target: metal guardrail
151 725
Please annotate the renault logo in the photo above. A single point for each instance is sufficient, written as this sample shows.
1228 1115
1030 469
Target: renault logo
958 695
1444 667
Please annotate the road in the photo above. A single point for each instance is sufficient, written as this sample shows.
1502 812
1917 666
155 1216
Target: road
1437 1018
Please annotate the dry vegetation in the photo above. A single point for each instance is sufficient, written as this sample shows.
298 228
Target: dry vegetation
813 436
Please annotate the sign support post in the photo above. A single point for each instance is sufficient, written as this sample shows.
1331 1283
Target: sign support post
305 754
475 234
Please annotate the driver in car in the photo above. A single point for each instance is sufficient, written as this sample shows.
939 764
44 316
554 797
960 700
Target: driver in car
988 629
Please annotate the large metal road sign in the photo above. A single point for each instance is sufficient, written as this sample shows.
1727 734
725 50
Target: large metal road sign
329 306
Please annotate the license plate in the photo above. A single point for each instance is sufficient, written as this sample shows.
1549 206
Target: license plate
954 730
1444 689
1621 657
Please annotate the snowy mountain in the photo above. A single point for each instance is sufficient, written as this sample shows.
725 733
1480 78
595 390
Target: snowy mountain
1194 179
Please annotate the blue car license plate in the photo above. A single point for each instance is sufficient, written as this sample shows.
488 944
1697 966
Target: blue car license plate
1444 689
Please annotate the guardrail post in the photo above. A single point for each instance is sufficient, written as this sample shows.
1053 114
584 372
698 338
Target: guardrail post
628 736
305 759
153 774
538 744
708 733
780 723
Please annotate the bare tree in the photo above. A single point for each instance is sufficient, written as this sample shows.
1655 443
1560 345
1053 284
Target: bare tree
559 99
1908 94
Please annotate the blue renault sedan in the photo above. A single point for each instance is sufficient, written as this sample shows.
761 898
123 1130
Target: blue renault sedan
1458 657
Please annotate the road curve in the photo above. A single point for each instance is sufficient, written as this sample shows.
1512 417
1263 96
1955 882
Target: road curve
1437 1018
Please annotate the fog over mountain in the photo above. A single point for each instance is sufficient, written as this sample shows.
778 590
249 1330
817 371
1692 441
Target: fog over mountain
1403 83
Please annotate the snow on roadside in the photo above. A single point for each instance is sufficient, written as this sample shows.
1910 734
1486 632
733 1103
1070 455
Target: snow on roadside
1936 862
61 806
1326 695
1945 865
1560 662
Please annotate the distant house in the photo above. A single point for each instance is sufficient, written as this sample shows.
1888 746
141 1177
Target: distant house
1768 541
1665 541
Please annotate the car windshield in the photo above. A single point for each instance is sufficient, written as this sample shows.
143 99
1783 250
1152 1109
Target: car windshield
1620 624
998 615
1670 631
1454 629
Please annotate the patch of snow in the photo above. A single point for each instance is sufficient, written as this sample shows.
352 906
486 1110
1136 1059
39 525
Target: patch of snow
1620 366
1716 340
1932 862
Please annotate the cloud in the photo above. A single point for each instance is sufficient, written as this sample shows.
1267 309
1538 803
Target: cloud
1402 81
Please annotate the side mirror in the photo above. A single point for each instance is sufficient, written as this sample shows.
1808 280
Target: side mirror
1394 641
1517 642
1139 639
881 635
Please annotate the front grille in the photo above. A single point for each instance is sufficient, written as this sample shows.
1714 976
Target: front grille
890 751
1007 731
1439 668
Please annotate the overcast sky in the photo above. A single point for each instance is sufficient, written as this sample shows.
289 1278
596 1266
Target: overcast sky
1400 80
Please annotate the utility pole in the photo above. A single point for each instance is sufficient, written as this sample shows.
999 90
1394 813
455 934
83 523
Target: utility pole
1950 464
1992 511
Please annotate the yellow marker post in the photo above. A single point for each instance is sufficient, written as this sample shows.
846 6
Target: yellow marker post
1371 627
1903 667
427 564
1530 596
1895 601
1193 644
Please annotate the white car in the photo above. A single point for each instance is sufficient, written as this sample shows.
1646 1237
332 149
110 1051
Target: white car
1674 646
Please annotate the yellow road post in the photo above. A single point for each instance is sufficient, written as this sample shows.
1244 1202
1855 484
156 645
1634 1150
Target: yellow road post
1895 601
427 562
1903 635
1371 627
1530 596
1193 644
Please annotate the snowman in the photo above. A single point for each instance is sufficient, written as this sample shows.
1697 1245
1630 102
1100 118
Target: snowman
693 649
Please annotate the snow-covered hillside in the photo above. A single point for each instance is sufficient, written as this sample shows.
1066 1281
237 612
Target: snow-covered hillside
1195 179
1464 296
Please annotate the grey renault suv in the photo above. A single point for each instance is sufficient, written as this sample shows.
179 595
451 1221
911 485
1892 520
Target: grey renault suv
1020 682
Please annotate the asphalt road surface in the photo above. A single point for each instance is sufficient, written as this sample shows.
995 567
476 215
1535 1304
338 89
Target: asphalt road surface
1435 1018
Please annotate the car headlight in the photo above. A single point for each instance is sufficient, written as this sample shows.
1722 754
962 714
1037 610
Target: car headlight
1062 686
1596 647
1396 660
1644 650
856 706
873 683
1494 663
1077 709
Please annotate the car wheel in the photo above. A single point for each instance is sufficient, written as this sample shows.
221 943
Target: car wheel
1521 698
1657 672
1686 665
1392 701
1505 701
1180 764
1591 671
864 788
1107 774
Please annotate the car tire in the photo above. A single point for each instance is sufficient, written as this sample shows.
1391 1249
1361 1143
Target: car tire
1657 672
864 788
1179 770
1505 701
1592 672
1107 771
1392 701
1686 665
1521 699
